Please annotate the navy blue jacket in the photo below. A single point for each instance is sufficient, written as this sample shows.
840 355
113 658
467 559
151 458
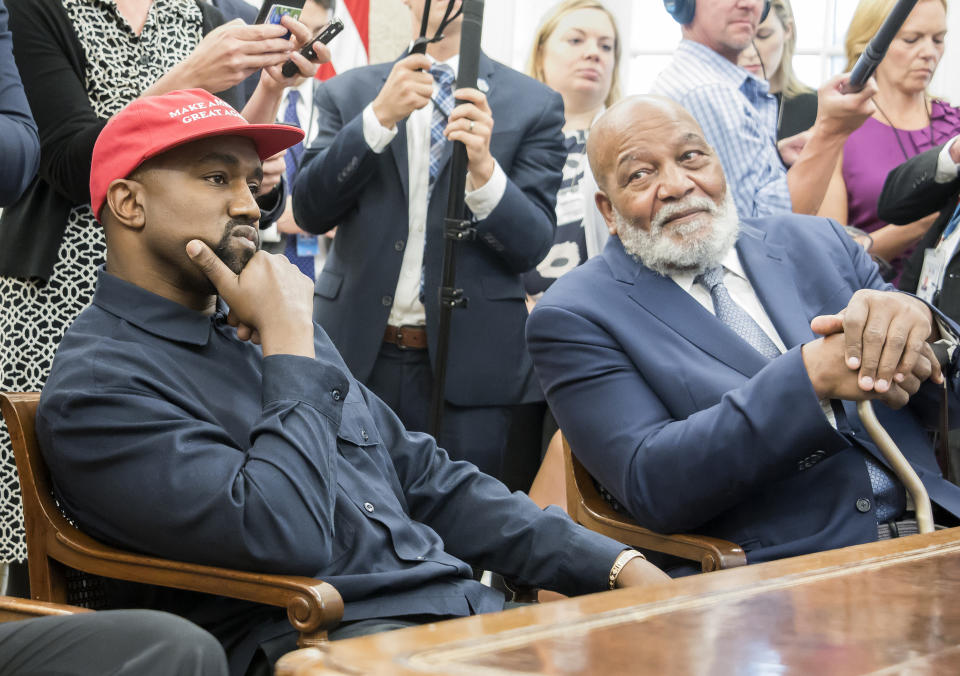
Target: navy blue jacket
343 183
691 429
19 144
165 434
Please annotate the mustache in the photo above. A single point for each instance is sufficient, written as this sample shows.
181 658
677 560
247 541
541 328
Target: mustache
689 204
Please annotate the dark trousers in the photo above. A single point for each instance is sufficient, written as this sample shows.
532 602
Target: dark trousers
503 441
118 642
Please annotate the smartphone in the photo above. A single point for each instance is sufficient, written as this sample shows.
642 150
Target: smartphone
329 31
271 11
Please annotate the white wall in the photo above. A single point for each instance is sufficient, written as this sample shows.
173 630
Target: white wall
509 26
946 83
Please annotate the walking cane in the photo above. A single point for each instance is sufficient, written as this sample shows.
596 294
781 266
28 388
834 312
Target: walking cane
900 466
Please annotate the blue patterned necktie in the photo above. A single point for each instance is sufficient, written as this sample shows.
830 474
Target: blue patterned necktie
735 316
888 497
294 154
299 243
443 104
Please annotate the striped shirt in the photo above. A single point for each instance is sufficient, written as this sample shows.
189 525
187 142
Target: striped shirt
739 118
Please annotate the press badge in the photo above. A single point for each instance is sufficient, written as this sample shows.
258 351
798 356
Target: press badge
931 275
307 245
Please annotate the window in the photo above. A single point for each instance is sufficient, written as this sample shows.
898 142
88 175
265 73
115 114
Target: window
650 35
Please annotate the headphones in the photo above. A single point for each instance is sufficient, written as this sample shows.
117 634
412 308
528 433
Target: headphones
683 10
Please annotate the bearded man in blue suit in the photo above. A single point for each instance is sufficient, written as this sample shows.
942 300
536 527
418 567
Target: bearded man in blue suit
705 369
379 171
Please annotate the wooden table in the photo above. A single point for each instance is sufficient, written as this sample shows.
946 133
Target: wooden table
883 608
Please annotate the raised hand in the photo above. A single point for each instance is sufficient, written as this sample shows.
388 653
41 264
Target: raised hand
408 88
471 123
270 298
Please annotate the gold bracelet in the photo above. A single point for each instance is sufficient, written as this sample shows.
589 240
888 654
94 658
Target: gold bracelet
625 557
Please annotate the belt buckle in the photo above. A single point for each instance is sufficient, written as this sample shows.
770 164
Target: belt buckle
400 333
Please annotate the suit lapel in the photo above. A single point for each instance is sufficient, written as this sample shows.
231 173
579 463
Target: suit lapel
398 148
766 266
399 151
662 298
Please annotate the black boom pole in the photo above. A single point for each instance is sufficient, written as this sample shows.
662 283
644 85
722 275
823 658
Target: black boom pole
456 226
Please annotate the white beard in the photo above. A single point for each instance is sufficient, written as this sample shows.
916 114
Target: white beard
706 240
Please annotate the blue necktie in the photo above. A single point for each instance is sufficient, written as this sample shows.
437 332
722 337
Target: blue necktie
290 116
300 242
735 316
889 499
443 104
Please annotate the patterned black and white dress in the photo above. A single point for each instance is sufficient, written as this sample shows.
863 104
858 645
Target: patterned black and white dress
569 243
34 314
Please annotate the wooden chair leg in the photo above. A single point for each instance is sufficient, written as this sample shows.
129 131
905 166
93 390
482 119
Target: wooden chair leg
48 580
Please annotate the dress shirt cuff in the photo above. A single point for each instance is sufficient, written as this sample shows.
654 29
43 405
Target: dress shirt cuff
375 134
946 167
826 405
322 386
484 200
947 339
271 234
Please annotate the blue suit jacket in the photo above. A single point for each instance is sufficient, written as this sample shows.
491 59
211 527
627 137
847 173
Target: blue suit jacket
345 184
690 428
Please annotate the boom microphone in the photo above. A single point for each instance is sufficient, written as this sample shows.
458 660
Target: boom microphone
877 48
456 226
470 33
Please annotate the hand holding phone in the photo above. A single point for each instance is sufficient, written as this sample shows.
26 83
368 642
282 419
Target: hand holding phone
271 11
331 30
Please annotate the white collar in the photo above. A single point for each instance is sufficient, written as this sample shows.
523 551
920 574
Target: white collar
731 262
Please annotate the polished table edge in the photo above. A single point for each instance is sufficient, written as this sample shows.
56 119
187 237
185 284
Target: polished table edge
420 649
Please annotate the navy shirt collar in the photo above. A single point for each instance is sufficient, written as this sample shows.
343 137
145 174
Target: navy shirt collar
152 313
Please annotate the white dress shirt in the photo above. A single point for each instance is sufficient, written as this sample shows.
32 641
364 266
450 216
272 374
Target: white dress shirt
741 291
946 167
407 309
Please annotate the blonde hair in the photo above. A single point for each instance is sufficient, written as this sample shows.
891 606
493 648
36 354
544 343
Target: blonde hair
549 25
866 21
790 84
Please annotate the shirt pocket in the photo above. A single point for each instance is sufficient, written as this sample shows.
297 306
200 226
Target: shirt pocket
357 426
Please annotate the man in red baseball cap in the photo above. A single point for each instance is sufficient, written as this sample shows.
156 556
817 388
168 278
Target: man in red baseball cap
168 431
146 146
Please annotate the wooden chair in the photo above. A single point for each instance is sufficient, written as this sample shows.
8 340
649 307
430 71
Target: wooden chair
13 609
54 545
588 508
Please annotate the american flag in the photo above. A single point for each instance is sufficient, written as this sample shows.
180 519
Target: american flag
352 47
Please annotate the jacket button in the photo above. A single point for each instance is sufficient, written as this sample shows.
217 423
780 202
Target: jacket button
336 394
398 245
863 505
387 301
368 506
363 433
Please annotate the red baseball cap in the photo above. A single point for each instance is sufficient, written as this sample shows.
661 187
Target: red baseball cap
152 125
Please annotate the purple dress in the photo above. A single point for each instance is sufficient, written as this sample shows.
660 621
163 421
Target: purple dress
872 151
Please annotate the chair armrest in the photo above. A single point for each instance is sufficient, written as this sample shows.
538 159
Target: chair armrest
313 606
13 609
711 553
588 508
